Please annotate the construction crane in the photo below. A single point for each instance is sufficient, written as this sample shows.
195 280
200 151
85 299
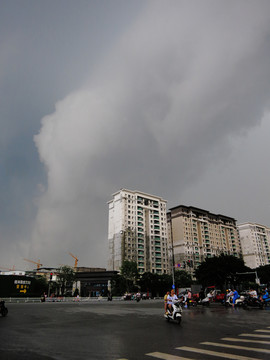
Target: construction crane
76 260
34 262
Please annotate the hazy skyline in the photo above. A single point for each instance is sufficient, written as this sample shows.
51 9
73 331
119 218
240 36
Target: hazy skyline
168 98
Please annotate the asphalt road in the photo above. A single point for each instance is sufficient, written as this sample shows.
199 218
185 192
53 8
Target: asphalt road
130 330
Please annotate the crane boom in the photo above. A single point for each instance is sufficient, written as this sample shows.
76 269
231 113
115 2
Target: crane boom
76 259
34 262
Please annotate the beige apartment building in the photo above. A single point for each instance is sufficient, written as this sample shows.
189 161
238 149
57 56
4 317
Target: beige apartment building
138 231
195 234
255 242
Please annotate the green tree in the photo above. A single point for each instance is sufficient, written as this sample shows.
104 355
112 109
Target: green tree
118 285
65 278
182 279
220 271
155 284
264 274
40 285
130 273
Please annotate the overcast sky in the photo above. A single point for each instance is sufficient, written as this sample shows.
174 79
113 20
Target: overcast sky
167 97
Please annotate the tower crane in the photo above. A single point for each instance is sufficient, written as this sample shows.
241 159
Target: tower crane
34 262
76 260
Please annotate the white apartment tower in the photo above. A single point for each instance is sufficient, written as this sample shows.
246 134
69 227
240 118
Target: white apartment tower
138 231
255 241
195 234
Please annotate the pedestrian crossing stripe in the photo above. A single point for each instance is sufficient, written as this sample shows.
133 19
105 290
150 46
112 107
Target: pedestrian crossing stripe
266 351
215 353
164 356
266 331
256 335
247 341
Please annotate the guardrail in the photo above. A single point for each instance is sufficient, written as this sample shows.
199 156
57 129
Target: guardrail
65 299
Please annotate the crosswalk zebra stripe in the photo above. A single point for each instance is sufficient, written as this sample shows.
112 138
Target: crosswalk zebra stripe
256 335
215 353
267 331
164 356
247 341
265 351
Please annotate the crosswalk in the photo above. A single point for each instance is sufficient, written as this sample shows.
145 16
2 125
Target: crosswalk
209 349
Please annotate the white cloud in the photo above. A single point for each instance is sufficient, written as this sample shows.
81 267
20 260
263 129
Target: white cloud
159 111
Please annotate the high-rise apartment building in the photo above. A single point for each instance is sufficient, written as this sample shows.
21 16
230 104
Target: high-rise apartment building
196 234
255 241
138 231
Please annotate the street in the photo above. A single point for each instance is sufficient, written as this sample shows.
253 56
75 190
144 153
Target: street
130 330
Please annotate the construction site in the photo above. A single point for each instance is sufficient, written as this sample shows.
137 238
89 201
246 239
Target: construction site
55 282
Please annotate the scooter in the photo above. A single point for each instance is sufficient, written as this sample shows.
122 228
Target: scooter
252 302
176 313
206 301
3 309
238 302
266 301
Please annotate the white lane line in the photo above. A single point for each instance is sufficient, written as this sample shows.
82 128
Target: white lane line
164 356
265 351
267 331
256 335
214 353
247 341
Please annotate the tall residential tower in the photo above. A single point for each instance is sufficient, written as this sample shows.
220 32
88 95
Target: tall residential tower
138 231
255 241
196 234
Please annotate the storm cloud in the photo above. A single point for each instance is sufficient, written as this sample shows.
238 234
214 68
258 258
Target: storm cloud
176 104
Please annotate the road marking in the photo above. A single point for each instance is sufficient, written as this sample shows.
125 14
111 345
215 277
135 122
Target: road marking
214 353
267 331
164 356
266 351
256 335
247 340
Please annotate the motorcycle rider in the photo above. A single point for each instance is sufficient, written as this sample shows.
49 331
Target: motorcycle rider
235 296
265 296
166 302
170 299
253 293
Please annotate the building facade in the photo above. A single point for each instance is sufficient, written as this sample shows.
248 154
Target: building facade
138 231
195 234
255 242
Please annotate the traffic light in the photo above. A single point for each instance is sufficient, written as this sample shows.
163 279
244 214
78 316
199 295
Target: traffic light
51 274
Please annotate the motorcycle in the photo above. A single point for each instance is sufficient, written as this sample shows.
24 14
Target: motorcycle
191 302
238 302
252 302
176 313
3 309
138 297
206 301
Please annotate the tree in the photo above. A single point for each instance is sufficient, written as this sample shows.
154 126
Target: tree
154 283
130 272
220 271
182 279
264 274
66 276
